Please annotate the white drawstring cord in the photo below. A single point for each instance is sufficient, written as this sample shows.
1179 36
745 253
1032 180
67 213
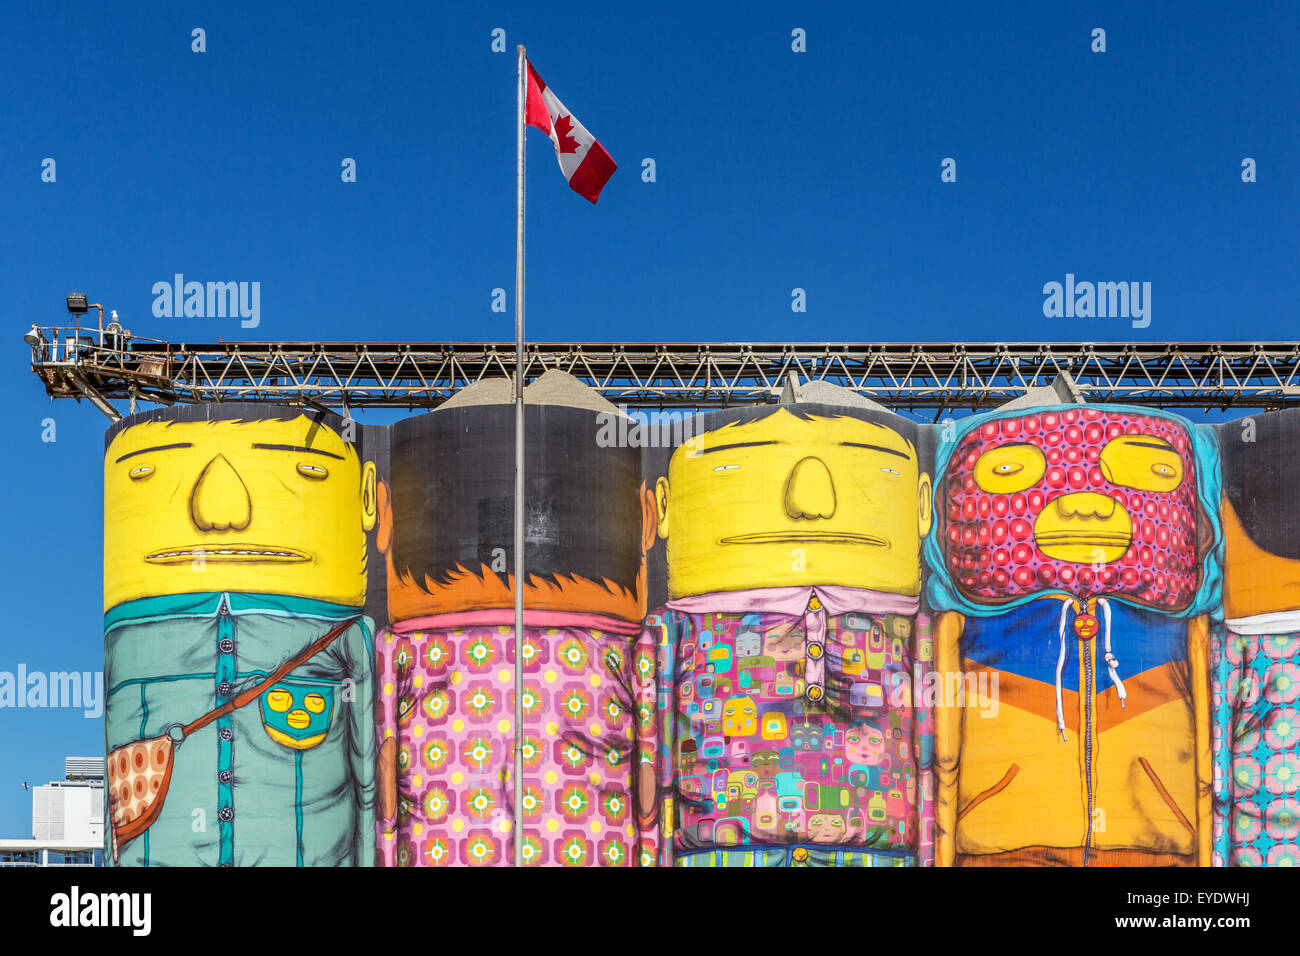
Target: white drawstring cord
1060 667
1112 662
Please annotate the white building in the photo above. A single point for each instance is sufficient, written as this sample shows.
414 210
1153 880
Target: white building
67 820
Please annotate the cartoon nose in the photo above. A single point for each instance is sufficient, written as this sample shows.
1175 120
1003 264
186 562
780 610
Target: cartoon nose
220 501
809 491
1085 504
298 719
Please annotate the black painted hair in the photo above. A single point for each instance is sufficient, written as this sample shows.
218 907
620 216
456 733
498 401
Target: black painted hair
236 412
1260 470
452 483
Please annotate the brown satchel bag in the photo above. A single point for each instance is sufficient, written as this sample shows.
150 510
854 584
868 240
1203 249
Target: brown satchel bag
139 773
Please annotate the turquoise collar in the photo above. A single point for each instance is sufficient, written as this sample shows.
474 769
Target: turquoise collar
207 604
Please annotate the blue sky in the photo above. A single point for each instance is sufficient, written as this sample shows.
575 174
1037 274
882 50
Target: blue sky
775 170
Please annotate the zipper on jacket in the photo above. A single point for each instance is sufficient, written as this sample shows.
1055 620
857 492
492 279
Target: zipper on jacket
1089 687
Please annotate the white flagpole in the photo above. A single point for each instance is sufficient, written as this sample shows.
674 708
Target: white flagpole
519 459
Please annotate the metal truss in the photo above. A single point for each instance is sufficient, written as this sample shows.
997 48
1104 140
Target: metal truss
915 377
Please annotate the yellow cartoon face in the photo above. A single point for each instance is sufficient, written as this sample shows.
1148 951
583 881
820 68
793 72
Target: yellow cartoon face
279 507
739 717
789 500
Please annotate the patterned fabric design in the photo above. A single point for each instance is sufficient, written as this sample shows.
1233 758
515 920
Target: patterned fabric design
1256 696
136 773
448 698
746 761
988 539
793 856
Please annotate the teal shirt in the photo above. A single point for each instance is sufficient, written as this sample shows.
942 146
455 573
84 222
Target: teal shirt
240 795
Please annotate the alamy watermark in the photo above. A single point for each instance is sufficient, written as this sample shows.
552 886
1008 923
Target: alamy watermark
973 690
1101 300
213 300
640 429
133 911
57 689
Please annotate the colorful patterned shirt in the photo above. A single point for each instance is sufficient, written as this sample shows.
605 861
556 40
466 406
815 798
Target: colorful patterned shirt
1256 698
788 722
447 696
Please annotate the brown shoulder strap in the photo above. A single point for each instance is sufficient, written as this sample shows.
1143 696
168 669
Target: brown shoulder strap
306 654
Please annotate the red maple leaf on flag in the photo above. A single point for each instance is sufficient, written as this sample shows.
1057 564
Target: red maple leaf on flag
563 127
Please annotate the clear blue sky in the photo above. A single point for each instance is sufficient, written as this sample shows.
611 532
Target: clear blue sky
775 170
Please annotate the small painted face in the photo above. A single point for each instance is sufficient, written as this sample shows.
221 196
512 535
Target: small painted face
826 828
791 500
1086 501
864 745
297 715
1085 625
749 644
765 764
739 717
261 506
805 735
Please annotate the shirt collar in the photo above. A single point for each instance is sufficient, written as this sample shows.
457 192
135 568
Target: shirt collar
836 599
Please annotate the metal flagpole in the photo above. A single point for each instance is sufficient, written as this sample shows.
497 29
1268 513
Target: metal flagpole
519 459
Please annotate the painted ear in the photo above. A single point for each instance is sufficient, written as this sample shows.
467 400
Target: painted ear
926 503
649 517
384 539
368 503
661 505
386 774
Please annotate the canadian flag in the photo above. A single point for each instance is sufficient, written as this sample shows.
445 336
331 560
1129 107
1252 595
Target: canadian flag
584 162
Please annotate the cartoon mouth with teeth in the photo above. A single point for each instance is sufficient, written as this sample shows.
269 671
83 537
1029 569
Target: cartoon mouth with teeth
236 553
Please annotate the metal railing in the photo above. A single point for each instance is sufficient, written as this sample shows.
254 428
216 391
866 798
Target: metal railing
933 377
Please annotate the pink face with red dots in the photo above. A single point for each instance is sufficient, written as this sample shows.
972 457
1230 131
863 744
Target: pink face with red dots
1087 501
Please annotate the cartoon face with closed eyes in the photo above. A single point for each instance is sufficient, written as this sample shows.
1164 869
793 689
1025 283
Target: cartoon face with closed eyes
1087 501
739 717
297 714
827 828
794 498
274 505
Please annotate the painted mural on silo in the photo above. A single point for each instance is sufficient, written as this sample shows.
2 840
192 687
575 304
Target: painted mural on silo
238 657
1257 653
1074 568
447 658
791 640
